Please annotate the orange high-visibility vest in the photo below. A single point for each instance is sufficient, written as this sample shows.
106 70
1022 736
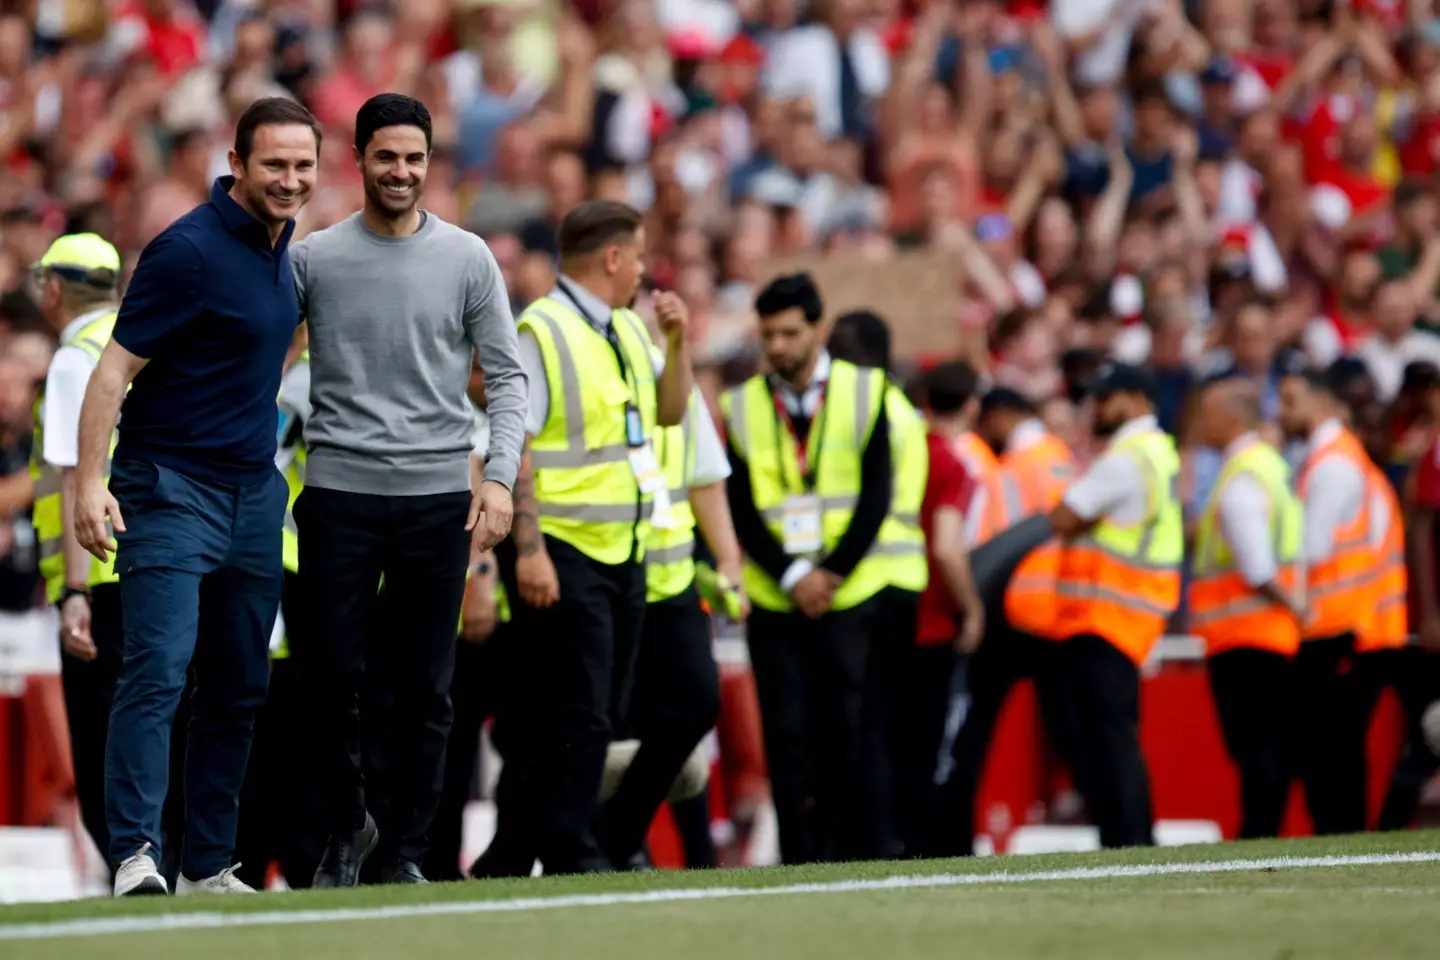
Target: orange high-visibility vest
1389 625
1225 611
1002 495
1340 589
1042 472
1122 582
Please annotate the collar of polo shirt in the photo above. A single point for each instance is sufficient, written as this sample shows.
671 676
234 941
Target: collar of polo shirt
236 217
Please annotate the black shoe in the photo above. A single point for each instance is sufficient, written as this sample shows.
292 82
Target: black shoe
402 870
345 855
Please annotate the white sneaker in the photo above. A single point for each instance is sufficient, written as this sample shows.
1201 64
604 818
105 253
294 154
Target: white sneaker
223 882
138 876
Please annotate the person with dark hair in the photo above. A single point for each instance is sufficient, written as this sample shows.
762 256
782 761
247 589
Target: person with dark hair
397 303
1245 598
194 497
1037 467
1117 583
1335 489
811 485
590 488
862 337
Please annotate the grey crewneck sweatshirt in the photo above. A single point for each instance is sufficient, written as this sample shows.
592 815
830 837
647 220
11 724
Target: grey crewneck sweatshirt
394 322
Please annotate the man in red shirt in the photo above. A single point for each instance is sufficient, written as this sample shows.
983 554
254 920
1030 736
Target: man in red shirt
1417 677
951 616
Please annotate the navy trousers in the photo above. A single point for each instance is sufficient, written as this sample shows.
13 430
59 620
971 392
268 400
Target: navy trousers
202 560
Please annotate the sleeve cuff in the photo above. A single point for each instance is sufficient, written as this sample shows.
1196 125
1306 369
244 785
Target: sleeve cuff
796 572
502 471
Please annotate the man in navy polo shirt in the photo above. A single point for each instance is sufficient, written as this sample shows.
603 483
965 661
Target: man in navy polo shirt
194 497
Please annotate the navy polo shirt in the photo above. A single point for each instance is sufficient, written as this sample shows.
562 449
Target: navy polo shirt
212 306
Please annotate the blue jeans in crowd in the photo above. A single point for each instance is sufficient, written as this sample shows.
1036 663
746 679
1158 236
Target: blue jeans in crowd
196 559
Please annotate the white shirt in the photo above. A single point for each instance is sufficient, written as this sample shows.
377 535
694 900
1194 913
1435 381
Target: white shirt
1244 515
1115 20
482 431
711 463
1387 359
805 62
1334 495
294 405
1114 486
65 384
1027 433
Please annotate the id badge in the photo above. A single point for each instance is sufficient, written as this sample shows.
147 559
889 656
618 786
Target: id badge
647 470
661 514
800 525
634 428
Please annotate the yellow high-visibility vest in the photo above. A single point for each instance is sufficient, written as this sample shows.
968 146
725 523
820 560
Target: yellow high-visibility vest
900 546
670 551
585 488
854 399
46 514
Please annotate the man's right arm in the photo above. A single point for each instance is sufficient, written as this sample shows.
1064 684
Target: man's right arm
117 368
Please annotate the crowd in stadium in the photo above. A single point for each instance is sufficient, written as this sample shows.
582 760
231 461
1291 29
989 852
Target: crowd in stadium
1242 187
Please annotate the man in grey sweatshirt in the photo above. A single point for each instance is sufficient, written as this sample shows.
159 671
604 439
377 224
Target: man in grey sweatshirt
397 303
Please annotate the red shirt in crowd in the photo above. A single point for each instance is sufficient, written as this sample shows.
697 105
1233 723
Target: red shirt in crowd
1427 496
948 485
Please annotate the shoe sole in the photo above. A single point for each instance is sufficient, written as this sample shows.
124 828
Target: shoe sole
149 887
365 855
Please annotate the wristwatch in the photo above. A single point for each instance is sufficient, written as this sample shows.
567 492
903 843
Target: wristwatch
69 592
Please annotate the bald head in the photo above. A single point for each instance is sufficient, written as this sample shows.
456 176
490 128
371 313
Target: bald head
1229 407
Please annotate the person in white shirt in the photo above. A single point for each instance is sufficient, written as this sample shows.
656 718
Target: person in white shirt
1396 343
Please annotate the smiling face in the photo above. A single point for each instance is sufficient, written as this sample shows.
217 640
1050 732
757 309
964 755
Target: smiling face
278 177
394 166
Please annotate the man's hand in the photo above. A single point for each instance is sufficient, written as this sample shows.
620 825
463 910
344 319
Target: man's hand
75 638
733 571
539 584
93 506
491 512
477 621
671 314
972 631
815 593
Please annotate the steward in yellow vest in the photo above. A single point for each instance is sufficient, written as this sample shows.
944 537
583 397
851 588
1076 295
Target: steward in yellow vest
1245 592
811 486
77 279
677 685
590 489
1118 584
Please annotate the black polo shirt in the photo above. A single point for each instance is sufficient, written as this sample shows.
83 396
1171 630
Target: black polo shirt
212 306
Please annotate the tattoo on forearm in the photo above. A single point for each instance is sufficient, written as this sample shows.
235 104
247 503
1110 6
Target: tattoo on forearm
525 529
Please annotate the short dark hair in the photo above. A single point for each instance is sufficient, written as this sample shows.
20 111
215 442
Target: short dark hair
594 224
861 337
1317 381
950 386
788 292
1003 398
272 111
390 110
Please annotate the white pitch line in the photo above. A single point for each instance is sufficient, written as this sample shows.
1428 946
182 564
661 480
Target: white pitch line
97 926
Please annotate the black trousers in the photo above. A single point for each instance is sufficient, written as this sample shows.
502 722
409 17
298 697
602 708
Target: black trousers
1106 687
1254 702
1006 657
812 684
1416 677
675 702
1334 700
574 667
913 684
89 689
348 541
281 804
482 673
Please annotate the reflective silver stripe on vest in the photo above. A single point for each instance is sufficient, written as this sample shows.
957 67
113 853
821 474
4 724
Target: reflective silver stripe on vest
48 483
590 512
907 549
51 548
90 343
1137 562
679 495
906 519
574 455
1092 591
826 503
290 524
863 400
739 425
675 553
1010 491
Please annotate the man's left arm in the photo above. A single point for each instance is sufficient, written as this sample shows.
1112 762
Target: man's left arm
877 484
708 496
490 328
